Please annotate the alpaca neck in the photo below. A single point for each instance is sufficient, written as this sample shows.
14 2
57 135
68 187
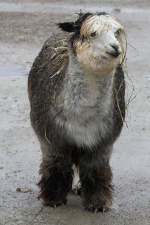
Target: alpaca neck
83 89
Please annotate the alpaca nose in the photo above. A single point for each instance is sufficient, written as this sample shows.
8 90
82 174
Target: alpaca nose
116 52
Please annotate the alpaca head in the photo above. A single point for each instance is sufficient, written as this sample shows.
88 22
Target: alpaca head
98 41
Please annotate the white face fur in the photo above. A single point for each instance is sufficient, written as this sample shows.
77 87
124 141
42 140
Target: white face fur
102 44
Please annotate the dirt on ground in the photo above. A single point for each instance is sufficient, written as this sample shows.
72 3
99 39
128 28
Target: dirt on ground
23 29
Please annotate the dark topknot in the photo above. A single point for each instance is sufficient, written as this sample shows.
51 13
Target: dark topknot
75 26
82 17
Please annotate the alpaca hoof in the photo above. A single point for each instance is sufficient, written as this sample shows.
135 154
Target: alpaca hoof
96 209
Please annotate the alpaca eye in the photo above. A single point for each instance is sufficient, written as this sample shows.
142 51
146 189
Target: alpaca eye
93 34
118 32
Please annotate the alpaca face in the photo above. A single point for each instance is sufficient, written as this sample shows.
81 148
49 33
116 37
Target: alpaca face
101 46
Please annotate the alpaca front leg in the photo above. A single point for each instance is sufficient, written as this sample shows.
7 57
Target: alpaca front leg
56 178
96 178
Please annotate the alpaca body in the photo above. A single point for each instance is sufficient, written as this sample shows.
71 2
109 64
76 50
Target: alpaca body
77 112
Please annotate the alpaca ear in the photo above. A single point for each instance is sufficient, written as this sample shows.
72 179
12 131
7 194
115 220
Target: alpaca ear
67 27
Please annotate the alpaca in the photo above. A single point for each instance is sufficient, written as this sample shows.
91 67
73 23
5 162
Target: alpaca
77 96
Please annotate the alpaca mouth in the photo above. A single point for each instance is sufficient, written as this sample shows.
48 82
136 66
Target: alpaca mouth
114 54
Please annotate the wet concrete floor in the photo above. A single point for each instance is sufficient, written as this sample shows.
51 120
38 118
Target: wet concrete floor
23 29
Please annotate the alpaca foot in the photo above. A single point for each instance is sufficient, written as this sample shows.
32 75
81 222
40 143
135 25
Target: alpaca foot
99 202
55 187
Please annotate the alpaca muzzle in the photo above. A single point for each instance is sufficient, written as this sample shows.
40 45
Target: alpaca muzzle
115 51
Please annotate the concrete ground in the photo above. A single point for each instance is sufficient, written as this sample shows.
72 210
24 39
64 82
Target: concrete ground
23 29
